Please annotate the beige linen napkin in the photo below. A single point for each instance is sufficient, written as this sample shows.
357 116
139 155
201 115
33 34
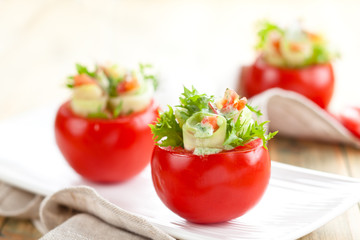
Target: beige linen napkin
100 219
76 213
296 116
18 203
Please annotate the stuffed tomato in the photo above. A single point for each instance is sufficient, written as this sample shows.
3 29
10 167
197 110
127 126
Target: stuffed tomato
102 128
211 163
292 59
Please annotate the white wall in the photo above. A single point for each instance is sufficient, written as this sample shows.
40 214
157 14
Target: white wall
191 42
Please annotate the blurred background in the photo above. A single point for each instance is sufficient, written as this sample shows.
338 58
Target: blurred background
191 42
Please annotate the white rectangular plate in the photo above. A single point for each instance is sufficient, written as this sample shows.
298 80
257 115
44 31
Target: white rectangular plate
296 202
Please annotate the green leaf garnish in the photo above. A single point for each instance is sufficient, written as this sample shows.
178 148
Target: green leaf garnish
254 110
166 131
81 69
237 134
113 83
146 76
194 102
98 115
117 110
265 27
70 82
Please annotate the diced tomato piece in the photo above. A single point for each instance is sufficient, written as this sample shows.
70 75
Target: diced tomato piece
83 79
314 37
239 105
276 45
212 120
295 47
128 85
231 98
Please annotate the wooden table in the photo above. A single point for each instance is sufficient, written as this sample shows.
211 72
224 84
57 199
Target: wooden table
332 158
192 41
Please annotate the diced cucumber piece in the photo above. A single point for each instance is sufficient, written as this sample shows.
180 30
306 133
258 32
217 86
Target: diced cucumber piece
195 139
296 58
87 91
116 71
85 107
270 51
180 115
88 99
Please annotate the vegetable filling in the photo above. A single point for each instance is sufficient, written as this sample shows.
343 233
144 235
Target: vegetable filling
205 126
292 47
111 91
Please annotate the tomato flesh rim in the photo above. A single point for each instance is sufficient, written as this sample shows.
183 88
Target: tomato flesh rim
247 147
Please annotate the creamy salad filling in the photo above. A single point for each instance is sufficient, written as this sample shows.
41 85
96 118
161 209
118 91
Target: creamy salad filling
203 125
110 91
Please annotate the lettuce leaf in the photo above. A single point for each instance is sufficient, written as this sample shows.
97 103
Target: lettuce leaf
167 131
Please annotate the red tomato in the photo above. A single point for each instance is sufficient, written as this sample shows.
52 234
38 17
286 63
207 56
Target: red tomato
350 118
105 150
211 188
314 82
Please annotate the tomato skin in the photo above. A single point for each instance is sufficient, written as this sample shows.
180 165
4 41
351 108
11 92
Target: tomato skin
211 188
350 118
314 82
105 150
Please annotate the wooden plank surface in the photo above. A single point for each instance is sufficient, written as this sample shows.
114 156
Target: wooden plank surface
15 229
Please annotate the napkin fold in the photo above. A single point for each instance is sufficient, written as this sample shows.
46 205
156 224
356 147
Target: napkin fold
76 213
293 115
18 203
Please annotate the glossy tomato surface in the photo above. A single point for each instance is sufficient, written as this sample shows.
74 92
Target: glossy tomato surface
211 188
350 118
105 150
314 82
